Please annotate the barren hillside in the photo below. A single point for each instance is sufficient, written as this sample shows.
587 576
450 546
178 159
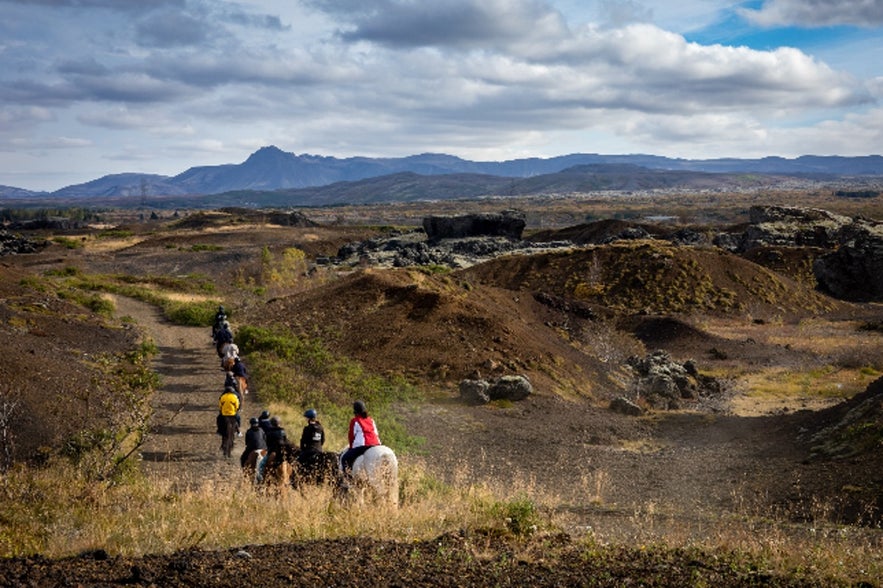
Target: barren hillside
762 443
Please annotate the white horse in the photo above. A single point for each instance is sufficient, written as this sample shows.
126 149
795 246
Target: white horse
378 470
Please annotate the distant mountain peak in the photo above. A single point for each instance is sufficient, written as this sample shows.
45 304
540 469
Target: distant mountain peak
270 168
269 153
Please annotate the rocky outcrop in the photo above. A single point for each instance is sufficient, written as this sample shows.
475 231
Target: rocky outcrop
794 227
623 405
663 383
854 271
511 388
508 224
406 249
849 264
11 244
852 427
52 223
474 391
290 219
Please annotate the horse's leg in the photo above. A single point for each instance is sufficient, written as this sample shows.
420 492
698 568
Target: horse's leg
230 433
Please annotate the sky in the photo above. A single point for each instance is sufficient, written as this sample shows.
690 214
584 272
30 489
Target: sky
96 87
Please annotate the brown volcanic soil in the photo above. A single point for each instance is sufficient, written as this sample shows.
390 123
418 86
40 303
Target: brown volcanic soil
438 329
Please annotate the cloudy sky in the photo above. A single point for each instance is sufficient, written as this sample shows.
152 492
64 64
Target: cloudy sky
94 87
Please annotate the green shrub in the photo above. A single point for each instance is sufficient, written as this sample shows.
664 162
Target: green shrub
519 516
63 272
192 314
115 234
68 243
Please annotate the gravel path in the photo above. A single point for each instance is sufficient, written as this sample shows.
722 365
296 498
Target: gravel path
182 431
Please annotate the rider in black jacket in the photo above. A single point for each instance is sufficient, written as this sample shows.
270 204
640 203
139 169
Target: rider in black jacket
312 439
255 439
276 437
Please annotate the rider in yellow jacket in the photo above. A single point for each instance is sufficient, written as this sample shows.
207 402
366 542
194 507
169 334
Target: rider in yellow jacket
228 404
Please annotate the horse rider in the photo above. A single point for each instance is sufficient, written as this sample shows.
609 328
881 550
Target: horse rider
276 438
241 374
230 381
362 435
255 439
220 319
228 404
264 421
311 439
223 337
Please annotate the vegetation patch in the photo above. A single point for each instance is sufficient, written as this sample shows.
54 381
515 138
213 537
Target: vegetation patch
303 373
822 382
76 286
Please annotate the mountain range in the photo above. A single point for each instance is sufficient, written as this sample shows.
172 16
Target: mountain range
274 177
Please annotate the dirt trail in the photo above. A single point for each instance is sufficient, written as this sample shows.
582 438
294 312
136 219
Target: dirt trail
182 444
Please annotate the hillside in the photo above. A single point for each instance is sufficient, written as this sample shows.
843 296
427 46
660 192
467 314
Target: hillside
272 177
766 457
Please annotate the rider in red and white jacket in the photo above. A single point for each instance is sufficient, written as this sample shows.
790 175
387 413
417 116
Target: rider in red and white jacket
362 435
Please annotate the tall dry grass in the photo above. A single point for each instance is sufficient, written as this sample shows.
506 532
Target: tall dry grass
55 512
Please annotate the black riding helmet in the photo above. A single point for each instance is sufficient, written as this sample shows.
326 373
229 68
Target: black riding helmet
253 421
359 407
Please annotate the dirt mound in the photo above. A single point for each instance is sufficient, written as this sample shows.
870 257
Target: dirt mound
794 262
54 356
852 428
595 232
664 331
686 341
655 278
439 329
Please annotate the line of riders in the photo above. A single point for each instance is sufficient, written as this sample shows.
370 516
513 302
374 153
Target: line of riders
267 446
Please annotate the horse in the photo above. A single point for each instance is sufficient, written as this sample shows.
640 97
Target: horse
279 466
227 429
253 465
323 469
377 471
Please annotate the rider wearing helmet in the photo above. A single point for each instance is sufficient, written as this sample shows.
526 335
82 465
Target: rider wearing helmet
276 437
264 421
311 440
255 439
220 319
228 405
362 435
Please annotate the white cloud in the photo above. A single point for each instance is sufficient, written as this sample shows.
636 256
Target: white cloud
818 13
195 82
453 23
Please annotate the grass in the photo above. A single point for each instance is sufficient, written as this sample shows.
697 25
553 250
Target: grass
820 382
56 512
196 310
292 374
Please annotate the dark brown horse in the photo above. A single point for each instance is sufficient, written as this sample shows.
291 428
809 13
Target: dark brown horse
227 429
285 469
324 468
